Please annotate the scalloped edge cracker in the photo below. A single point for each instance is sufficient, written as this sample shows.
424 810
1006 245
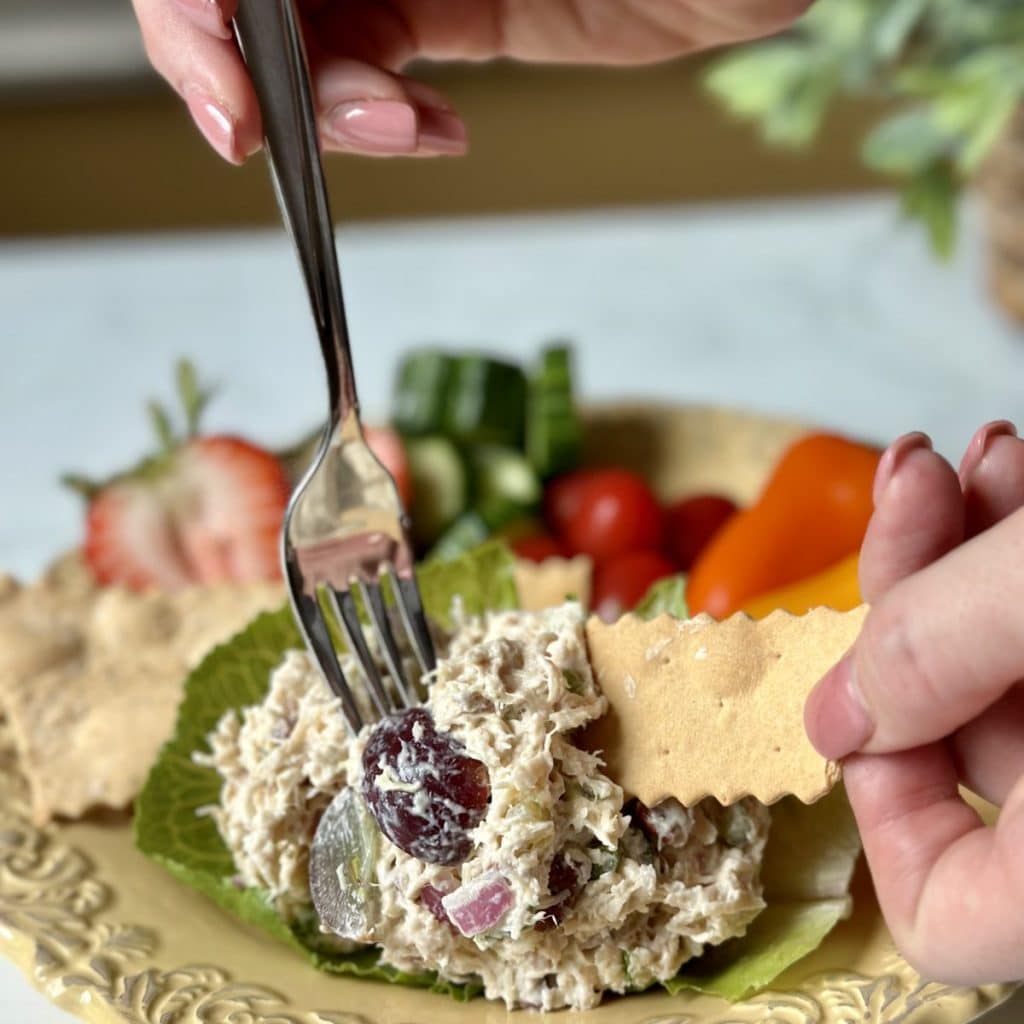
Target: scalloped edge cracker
703 708
91 679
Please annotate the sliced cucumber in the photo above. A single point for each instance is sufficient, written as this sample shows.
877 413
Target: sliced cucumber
473 528
502 477
421 392
554 433
440 486
486 402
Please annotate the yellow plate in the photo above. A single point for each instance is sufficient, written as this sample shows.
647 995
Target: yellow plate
110 937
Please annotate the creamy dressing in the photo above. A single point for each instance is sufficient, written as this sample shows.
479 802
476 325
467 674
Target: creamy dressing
565 895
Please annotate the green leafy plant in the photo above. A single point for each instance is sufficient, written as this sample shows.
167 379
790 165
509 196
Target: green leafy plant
953 68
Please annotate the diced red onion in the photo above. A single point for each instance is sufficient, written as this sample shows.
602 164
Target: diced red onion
478 906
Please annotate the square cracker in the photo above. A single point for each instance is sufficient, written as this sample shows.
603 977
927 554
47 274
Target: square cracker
703 708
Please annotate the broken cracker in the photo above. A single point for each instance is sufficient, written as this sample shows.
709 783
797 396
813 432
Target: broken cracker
546 584
91 678
703 708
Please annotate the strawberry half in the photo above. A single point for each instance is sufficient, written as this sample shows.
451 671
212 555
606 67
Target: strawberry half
206 510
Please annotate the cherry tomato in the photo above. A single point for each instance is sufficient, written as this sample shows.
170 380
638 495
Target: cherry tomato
692 522
620 582
389 448
604 513
538 547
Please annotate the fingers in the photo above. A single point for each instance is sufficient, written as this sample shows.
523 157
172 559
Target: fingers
989 751
363 109
919 515
212 16
992 475
189 45
935 651
944 881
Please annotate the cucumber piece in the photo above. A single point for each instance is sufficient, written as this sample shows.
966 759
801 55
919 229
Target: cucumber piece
474 527
440 486
554 433
503 477
421 392
486 402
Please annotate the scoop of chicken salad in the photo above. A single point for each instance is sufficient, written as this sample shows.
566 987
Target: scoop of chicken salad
500 852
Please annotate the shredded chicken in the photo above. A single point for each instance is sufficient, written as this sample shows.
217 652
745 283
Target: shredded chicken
566 894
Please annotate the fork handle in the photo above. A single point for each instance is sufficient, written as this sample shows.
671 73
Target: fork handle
270 37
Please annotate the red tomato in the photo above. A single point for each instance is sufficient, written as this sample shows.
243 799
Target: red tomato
538 547
389 448
692 522
620 582
604 513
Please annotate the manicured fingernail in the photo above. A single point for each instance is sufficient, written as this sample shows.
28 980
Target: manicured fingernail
214 122
894 456
979 444
441 132
375 126
207 15
836 720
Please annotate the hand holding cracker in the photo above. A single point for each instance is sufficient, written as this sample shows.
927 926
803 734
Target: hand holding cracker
703 708
931 698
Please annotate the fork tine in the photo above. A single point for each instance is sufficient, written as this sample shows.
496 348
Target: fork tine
407 594
348 617
318 640
373 599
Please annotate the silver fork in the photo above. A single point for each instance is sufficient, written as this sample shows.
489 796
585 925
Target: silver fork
345 525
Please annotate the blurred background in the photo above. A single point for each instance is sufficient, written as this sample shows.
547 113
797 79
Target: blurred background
96 143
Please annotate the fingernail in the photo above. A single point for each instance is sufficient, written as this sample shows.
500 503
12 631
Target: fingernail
214 122
377 126
979 444
894 456
836 720
441 132
207 15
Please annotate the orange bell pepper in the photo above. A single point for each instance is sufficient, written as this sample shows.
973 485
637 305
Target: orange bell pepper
836 587
812 513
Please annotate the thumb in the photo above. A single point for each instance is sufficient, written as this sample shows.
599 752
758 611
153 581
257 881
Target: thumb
939 648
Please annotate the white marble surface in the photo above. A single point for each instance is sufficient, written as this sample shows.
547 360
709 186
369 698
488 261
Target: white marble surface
829 310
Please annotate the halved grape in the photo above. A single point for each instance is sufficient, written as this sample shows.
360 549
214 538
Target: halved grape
425 791
342 868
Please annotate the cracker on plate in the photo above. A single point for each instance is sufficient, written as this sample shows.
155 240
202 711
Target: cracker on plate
91 678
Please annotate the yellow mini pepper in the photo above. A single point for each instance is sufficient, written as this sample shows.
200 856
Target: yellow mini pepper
836 587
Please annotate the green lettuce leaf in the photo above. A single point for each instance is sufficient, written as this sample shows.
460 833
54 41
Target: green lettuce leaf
168 828
667 596
807 867
809 861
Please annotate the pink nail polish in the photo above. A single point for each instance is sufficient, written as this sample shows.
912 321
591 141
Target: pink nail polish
441 132
376 126
978 445
893 457
214 122
836 720
207 15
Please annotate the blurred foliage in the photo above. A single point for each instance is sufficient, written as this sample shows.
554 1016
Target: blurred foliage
954 69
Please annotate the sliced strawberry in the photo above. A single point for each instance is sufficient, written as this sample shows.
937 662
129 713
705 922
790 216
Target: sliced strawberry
129 540
205 510
229 500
